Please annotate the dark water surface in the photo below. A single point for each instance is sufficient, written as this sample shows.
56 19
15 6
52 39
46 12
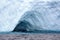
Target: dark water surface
34 32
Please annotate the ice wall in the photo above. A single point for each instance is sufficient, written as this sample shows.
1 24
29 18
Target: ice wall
48 15
42 14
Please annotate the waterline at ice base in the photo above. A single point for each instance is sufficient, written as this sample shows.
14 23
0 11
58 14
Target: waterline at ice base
29 16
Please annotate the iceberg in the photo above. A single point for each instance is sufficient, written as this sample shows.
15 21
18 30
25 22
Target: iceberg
41 17
29 16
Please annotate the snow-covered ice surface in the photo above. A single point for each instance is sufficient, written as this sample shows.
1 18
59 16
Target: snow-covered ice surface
10 13
43 15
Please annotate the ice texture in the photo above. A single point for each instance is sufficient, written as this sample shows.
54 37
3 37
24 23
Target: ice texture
35 15
11 12
42 17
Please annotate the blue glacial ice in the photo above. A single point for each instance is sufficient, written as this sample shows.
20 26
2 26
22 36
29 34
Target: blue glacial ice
29 15
41 17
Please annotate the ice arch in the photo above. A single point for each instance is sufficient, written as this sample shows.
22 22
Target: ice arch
41 17
11 12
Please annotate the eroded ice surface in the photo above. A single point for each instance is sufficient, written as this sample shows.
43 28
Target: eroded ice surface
40 15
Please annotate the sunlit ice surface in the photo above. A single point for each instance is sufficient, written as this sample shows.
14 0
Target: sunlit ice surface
29 16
